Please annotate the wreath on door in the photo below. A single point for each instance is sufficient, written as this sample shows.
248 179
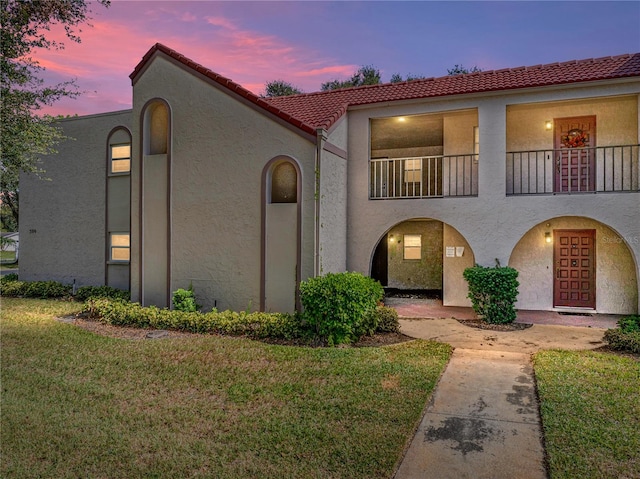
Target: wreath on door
575 138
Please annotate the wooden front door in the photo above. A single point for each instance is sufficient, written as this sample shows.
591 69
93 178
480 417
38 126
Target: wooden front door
574 257
575 141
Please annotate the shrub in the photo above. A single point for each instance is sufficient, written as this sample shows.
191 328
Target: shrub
35 289
387 320
336 305
85 292
623 341
629 324
185 300
7 278
493 292
253 325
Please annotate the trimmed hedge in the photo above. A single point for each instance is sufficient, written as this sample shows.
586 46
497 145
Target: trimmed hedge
34 289
85 292
493 292
338 306
626 337
252 325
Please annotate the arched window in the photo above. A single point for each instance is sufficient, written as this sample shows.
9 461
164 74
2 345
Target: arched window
284 183
157 129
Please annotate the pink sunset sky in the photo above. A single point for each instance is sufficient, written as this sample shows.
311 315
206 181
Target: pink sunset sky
307 43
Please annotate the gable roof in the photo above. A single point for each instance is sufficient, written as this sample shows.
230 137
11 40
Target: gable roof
310 111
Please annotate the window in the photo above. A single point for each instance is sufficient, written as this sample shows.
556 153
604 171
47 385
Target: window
121 158
412 170
120 247
284 183
412 247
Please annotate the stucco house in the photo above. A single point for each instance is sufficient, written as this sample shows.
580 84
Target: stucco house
205 183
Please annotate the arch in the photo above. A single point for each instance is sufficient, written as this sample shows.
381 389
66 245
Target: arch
155 203
281 229
614 268
438 268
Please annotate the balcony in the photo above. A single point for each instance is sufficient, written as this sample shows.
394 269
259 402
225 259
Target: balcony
573 170
424 177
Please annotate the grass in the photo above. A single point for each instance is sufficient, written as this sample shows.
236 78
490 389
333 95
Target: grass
79 405
8 256
590 405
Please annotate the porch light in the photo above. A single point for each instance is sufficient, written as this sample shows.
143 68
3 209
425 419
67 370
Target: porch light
548 125
390 238
547 237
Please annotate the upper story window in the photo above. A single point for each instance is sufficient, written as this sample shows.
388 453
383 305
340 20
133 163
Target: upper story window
120 247
120 158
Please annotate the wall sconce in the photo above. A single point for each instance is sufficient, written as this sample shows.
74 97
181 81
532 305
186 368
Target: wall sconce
548 125
547 237
390 238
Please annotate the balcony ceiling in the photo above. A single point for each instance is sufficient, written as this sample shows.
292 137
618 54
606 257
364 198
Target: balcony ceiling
406 132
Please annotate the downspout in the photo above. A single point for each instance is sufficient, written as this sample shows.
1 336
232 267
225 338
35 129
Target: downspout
321 139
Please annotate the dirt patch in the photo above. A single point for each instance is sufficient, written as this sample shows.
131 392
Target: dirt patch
479 324
625 354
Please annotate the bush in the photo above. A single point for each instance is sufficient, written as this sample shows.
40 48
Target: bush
253 325
493 292
35 289
9 277
626 337
336 305
623 341
387 320
85 292
185 300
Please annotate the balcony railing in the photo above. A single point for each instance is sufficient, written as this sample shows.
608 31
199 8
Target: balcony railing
424 177
573 170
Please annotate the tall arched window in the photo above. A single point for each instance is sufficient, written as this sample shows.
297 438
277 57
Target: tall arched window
157 125
284 183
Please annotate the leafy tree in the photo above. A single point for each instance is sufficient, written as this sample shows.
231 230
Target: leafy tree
461 69
280 88
25 134
397 78
366 75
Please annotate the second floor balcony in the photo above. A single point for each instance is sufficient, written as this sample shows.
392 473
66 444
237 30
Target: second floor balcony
573 170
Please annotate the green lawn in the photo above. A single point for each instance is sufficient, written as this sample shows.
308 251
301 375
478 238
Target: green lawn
590 404
79 405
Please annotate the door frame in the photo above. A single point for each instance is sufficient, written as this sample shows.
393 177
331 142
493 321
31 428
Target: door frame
591 233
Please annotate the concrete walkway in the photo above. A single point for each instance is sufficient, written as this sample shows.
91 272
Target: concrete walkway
483 420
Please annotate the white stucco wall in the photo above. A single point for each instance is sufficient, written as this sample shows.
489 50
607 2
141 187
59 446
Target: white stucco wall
220 146
492 223
333 214
63 221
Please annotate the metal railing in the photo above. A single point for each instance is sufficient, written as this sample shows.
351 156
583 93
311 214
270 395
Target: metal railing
423 177
573 170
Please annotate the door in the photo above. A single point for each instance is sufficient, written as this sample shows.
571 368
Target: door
575 141
380 263
575 275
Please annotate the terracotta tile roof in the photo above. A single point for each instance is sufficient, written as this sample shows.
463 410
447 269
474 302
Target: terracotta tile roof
309 111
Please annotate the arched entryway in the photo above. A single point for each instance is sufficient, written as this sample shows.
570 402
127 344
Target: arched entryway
423 254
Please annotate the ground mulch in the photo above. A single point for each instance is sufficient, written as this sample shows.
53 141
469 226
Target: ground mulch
480 324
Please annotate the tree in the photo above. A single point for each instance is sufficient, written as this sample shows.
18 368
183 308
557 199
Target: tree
26 135
397 78
366 75
280 88
461 70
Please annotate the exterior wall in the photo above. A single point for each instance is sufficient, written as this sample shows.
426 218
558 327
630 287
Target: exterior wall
425 273
492 223
455 288
63 221
220 146
333 214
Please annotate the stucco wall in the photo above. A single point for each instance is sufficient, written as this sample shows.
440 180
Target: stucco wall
333 214
220 146
492 223
455 288
63 221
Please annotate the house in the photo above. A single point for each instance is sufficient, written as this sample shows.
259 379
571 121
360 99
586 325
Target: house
243 197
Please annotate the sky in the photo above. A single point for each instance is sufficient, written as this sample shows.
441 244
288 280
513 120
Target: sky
307 43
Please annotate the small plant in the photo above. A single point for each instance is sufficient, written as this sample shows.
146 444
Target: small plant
337 305
387 320
629 324
86 292
493 292
185 300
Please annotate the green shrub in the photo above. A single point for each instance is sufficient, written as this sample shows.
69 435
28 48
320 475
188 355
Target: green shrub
623 341
336 305
493 292
185 300
9 278
85 292
253 325
387 320
35 289
629 324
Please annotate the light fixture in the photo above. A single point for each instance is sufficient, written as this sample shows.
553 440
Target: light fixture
402 118
548 125
547 237
390 238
